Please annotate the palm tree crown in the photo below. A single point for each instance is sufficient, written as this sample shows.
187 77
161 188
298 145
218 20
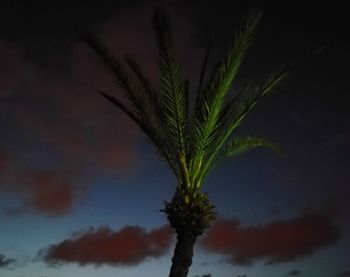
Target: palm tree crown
191 142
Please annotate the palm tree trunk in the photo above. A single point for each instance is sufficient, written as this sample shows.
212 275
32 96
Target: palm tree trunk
183 254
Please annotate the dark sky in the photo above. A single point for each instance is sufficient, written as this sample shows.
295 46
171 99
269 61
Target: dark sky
73 167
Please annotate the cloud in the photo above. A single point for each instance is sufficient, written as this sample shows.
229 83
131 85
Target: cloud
5 262
278 241
14 70
4 159
48 192
128 246
62 108
294 272
78 124
343 274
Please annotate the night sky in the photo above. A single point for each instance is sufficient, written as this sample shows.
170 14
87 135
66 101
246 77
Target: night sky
81 186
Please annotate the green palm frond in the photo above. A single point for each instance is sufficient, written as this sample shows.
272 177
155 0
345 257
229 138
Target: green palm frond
191 146
154 134
146 84
129 84
240 145
211 100
227 109
143 105
204 68
124 108
173 89
149 94
235 115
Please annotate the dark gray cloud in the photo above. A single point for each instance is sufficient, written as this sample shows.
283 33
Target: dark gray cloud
294 272
204 275
6 262
343 274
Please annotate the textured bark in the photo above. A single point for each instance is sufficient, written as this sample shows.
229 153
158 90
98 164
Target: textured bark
183 254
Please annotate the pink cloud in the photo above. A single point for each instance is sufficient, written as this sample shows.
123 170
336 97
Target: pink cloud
130 245
46 192
278 241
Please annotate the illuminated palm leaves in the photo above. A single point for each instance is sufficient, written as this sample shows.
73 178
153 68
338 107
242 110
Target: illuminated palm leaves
211 100
191 145
173 92
240 145
144 108
232 116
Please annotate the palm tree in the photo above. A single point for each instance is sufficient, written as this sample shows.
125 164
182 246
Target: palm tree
191 141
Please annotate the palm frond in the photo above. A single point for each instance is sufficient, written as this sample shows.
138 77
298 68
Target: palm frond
173 88
125 109
204 67
150 95
153 133
138 90
191 148
212 98
225 112
110 61
240 145
146 84
236 114
142 110
127 82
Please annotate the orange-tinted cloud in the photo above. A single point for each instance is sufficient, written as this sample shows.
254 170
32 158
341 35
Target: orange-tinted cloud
130 245
278 241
